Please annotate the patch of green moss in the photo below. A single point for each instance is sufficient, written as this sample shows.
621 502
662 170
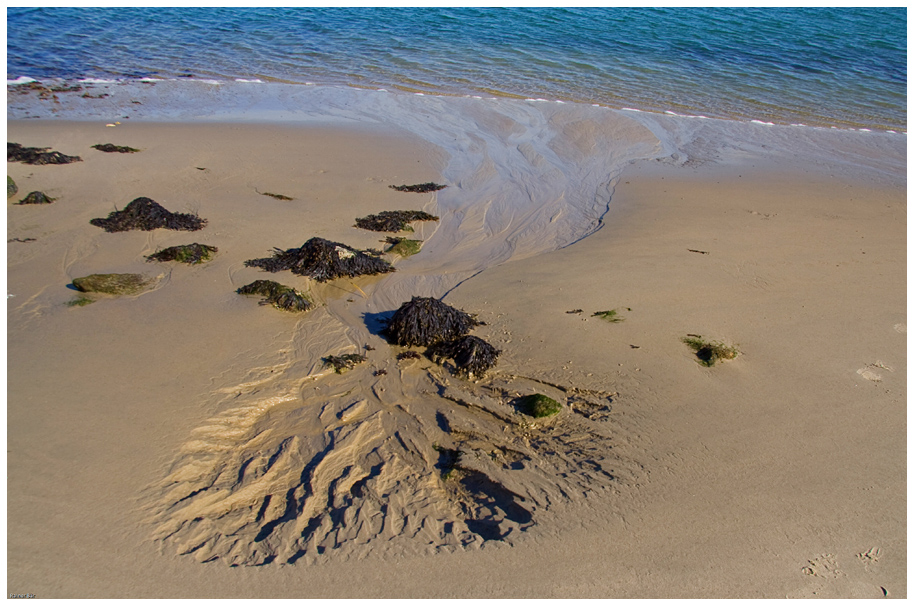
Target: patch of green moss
609 316
710 352
538 405
11 187
112 284
80 302
403 246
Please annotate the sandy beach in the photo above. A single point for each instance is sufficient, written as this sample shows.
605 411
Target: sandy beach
156 439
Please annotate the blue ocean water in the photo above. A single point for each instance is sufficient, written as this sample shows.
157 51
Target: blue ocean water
815 66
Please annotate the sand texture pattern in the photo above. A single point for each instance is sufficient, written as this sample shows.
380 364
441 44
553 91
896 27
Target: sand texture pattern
171 434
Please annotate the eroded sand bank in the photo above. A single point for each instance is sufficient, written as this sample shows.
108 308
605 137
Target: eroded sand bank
188 419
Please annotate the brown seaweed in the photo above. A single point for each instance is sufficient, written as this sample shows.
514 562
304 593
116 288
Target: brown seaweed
426 321
147 214
110 147
393 221
408 355
323 260
15 152
37 198
420 188
345 362
471 355
187 253
277 295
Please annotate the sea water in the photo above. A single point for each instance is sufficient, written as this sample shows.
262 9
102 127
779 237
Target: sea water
841 67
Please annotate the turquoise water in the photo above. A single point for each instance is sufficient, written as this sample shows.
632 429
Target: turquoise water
815 66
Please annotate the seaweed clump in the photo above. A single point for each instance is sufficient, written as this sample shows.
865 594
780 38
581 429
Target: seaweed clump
471 355
393 221
187 253
11 187
112 284
147 214
426 321
15 152
323 260
279 296
37 198
343 363
110 147
420 188
708 352
538 405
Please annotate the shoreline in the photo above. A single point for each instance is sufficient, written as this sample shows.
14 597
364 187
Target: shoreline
758 256
98 84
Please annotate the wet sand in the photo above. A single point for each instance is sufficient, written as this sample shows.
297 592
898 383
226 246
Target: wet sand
780 473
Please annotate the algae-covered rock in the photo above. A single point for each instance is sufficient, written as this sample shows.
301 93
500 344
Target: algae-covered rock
403 246
186 253
11 187
37 198
113 284
538 405
279 296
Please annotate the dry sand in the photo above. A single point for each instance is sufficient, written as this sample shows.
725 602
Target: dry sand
189 419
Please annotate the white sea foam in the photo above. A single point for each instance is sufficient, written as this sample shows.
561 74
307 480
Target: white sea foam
257 80
764 123
21 80
98 81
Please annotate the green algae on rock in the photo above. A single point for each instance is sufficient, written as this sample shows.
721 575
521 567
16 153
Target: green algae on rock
11 187
279 296
403 246
538 405
113 284
187 253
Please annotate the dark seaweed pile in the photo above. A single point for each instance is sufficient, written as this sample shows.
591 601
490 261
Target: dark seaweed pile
17 153
147 214
420 188
392 221
471 355
323 260
426 321
110 147
277 295
186 253
37 198
408 355
345 362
